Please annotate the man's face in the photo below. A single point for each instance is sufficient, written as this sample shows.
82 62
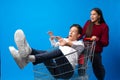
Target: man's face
73 34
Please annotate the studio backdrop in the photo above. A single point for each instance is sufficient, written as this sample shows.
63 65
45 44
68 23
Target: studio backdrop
37 17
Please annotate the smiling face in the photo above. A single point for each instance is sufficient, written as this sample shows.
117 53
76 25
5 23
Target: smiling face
95 17
73 34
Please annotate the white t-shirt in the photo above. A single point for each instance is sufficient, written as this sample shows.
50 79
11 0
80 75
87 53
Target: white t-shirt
76 49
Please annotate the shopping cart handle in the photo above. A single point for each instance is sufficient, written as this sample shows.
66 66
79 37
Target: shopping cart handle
88 39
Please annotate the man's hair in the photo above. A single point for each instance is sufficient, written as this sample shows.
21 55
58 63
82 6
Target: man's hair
78 27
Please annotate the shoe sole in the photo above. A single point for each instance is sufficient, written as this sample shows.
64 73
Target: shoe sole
23 46
16 57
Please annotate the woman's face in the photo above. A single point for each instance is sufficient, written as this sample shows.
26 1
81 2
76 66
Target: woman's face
73 34
94 16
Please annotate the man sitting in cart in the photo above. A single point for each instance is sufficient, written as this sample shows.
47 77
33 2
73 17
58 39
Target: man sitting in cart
66 51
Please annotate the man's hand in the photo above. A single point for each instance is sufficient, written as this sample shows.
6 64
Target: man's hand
58 37
50 33
62 42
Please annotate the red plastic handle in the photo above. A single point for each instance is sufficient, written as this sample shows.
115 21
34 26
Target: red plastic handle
87 39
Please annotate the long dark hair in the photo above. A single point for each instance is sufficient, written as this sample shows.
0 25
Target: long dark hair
90 26
99 13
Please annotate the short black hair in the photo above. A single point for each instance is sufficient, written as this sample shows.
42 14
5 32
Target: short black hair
78 27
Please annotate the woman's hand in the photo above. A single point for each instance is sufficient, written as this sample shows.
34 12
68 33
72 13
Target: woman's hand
94 38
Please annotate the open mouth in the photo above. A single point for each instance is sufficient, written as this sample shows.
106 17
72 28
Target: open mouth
70 35
92 19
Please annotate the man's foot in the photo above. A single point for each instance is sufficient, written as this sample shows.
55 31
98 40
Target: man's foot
21 62
21 42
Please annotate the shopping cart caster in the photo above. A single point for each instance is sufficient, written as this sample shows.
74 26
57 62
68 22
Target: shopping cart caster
82 77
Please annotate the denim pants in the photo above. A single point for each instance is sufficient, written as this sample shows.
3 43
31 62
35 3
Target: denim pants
60 67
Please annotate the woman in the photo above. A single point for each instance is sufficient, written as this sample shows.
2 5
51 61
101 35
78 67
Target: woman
66 46
97 29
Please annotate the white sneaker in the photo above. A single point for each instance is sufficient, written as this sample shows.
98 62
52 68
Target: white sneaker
21 42
21 62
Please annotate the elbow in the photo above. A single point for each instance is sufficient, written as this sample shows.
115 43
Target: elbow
105 43
81 49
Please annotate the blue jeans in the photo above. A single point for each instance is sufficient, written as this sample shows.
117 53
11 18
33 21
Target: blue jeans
57 69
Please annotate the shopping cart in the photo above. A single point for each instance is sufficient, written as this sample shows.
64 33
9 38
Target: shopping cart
82 70
86 59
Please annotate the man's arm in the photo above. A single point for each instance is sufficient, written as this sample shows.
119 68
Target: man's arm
53 42
79 46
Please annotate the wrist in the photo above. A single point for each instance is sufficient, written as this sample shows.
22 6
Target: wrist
69 43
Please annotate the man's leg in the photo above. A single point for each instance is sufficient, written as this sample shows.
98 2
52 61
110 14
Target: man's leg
36 52
59 68
66 70
51 66
24 51
49 63
47 55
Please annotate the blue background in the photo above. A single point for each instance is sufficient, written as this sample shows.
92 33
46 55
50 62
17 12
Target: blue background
36 17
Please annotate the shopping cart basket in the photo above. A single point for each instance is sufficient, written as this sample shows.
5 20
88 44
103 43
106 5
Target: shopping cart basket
82 70
86 59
